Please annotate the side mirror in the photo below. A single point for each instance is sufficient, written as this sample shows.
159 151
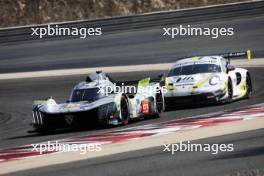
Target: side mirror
230 68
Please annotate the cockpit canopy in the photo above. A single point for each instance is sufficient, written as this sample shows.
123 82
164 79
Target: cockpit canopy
90 95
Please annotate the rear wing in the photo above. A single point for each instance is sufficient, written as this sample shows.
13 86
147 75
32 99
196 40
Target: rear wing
237 54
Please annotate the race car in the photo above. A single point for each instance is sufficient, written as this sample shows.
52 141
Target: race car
91 102
207 79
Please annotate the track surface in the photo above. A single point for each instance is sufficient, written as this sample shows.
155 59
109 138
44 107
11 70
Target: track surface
131 47
17 95
247 156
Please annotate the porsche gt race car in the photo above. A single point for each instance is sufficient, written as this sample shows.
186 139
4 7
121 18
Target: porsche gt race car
207 79
90 104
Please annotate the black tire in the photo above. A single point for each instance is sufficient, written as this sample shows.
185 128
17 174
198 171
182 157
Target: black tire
230 91
168 106
124 110
159 104
248 86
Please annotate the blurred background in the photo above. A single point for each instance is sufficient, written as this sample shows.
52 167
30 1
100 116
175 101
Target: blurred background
26 12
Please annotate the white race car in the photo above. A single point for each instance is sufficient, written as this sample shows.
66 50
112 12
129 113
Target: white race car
89 103
207 79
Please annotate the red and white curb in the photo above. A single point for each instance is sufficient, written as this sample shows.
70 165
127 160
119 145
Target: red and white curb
133 133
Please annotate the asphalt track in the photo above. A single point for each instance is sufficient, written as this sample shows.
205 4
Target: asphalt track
17 96
130 47
246 157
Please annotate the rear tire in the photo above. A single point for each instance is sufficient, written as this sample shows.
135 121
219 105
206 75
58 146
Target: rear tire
159 104
230 91
248 86
124 110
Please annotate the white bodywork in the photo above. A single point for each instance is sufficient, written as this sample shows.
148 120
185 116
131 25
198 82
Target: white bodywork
108 104
214 83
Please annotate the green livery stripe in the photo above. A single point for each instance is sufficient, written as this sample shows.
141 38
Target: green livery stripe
144 83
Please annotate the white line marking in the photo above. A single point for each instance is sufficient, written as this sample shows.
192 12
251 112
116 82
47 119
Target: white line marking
115 69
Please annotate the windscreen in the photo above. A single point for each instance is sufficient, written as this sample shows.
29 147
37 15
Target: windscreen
194 69
90 95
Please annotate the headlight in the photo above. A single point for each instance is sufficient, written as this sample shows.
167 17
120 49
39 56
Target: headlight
214 80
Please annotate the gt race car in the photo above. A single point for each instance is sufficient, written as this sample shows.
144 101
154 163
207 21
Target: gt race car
207 79
90 104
